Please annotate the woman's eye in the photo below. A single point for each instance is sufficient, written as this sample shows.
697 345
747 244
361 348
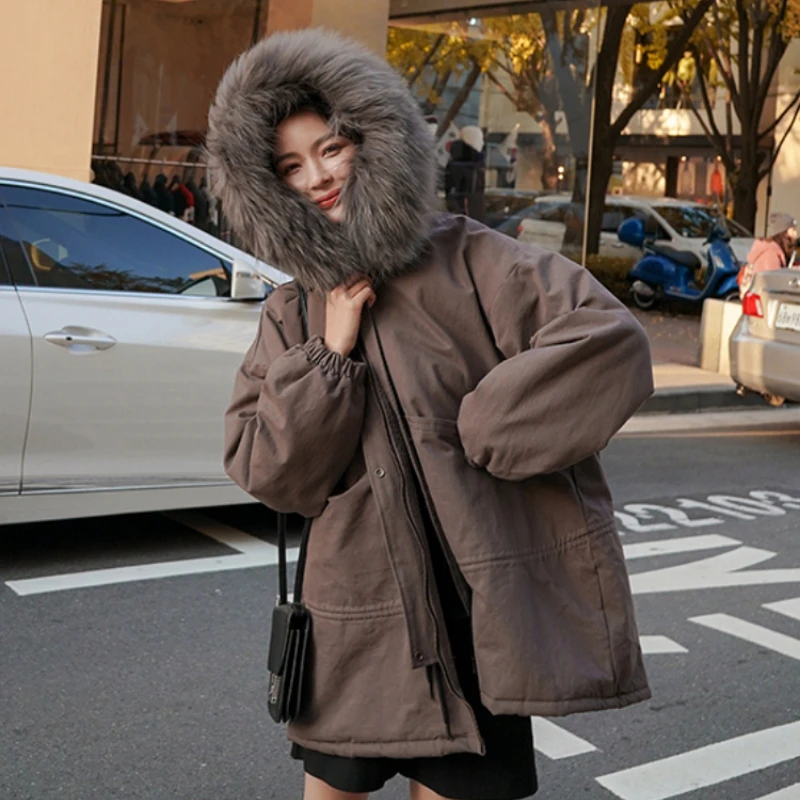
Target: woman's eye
289 169
332 149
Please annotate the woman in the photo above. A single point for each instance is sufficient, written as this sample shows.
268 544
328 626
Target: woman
440 425
774 252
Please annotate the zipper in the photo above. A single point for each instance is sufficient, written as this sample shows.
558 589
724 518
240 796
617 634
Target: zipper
395 427
462 588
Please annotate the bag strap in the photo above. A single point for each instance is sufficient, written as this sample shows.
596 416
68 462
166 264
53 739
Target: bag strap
283 519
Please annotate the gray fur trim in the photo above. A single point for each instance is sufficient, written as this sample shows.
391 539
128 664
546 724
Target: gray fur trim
390 194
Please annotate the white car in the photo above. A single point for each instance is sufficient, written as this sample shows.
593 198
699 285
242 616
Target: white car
556 223
121 330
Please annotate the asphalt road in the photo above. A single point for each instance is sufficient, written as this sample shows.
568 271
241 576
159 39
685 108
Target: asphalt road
132 650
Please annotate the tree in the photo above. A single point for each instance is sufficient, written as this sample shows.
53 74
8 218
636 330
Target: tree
566 43
521 54
429 61
739 49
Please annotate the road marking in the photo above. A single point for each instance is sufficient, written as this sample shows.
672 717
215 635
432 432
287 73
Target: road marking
789 608
222 533
706 766
684 544
789 793
714 573
657 645
750 632
554 742
145 572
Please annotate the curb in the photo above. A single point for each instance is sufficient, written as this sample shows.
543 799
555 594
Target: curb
691 399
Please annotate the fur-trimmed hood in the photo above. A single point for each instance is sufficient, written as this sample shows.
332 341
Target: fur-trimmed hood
390 194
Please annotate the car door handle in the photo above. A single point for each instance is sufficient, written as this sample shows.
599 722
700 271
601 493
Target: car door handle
75 335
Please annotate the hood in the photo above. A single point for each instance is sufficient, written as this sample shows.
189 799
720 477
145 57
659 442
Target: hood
762 246
390 194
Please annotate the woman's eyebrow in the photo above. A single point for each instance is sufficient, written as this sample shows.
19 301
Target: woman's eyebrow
284 157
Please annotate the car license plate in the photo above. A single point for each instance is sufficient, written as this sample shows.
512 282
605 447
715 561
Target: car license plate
788 317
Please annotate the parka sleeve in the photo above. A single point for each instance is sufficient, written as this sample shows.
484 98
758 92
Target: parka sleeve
294 422
577 365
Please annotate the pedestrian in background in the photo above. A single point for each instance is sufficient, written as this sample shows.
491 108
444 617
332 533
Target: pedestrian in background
465 174
440 426
775 251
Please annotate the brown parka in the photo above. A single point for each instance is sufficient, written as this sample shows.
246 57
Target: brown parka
490 374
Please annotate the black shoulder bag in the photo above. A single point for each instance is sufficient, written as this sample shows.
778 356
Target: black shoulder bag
291 623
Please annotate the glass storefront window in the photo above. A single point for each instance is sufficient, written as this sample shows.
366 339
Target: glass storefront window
160 63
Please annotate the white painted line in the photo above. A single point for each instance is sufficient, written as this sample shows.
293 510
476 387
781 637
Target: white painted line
706 766
145 572
656 645
684 544
750 632
789 608
554 742
789 793
222 533
714 572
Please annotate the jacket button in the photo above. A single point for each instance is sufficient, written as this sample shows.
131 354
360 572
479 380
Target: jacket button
419 656
380 472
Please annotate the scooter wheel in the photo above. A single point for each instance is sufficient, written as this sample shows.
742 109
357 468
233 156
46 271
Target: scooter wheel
643 301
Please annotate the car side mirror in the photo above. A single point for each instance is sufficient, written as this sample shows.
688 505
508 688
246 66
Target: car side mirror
246 283
632 232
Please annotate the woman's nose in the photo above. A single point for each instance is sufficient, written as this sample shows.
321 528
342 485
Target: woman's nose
319 176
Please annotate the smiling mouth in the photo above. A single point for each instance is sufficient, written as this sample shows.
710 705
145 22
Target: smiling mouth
329 201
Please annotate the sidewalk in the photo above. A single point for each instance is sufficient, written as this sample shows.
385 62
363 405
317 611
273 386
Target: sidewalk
681 386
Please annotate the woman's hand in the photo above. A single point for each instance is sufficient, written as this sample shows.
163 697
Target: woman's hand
343 309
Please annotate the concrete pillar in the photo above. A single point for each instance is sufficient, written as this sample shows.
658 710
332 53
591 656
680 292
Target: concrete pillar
49 57
364 20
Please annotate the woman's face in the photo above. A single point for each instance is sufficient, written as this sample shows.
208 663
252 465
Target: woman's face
313 161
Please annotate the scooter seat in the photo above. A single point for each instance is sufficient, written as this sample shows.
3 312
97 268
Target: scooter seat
685 258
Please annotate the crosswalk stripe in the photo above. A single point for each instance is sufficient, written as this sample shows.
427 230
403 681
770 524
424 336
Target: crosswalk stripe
683 544
144 572
658 645
706 766
789 793
554 742
789 608
750 632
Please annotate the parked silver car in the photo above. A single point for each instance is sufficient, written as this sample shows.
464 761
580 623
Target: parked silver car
765 345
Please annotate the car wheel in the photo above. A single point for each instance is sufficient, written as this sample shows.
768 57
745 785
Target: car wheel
642 300
774 399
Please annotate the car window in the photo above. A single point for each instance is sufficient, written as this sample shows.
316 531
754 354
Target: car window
72 243
694 222
613 217
651 223
5 277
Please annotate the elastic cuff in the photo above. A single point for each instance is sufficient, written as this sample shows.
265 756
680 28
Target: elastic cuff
333 364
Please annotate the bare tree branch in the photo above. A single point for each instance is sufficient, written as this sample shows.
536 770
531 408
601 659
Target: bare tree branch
412 79
743 56
502 88
771 163
781 117
724 64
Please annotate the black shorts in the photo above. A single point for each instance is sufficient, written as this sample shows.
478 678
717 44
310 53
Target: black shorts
506 772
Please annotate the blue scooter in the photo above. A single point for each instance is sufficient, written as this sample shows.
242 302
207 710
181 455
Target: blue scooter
665 272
